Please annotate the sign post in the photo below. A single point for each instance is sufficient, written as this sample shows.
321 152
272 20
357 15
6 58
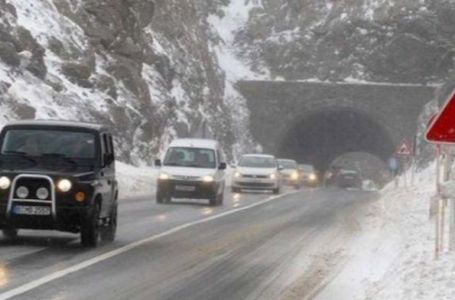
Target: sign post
442 131
404 151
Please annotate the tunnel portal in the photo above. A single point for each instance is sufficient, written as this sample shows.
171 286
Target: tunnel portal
316 122
324 136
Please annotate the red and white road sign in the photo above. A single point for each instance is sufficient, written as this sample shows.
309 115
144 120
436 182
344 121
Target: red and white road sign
404 149
442 128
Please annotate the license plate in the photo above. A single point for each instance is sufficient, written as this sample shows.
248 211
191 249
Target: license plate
185 188
32 210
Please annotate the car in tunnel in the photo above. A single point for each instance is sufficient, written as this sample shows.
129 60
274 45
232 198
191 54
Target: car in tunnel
349 179
257 172
192 169
309 175
290 173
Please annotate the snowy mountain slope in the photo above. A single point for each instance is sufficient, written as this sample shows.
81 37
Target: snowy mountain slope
148 69
373 40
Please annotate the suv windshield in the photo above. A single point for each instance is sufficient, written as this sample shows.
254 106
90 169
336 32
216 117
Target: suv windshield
257 162
288 164
190 157
49 143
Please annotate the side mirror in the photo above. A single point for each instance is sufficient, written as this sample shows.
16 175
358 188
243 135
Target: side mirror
157 162
108 159
233 165
280 168
222 166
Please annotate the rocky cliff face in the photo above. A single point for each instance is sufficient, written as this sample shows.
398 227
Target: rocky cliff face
155 70
374 40
144 67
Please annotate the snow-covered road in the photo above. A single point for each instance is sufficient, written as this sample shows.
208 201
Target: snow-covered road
254 247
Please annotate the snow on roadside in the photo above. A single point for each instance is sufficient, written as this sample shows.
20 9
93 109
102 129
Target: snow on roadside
414 273
135 181
394 256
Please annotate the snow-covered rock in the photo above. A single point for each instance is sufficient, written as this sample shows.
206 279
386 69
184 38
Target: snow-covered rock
146 68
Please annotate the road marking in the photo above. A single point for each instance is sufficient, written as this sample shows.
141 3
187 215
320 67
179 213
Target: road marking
95 260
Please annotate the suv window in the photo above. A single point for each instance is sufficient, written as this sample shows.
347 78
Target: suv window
111 144
41 142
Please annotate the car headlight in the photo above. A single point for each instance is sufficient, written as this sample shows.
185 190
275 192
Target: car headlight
312 177
22 192
208 179
64 185
42 193
164 176
237 175
272 176
5 183
295 176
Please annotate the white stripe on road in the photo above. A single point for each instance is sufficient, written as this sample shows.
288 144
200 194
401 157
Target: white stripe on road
83 265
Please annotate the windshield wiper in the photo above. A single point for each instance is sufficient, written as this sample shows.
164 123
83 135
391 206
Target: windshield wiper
20 154
172 164
15 153
196 166
61 156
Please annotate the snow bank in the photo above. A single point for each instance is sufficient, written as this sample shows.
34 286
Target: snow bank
413 273
394 256
134 181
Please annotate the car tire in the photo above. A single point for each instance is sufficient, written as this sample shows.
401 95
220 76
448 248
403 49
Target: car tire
162 198
276 191
220 199
159 198
10 234
236 190
90 229
216 199
109 231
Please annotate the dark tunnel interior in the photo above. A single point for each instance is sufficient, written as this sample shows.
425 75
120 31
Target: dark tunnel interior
322 137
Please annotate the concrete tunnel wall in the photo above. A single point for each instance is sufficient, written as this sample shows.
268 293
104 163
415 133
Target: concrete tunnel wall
316 122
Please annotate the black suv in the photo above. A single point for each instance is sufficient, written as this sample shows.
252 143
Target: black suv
57 175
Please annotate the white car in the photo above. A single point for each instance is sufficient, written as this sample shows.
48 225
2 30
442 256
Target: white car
257 172
290 173
192 168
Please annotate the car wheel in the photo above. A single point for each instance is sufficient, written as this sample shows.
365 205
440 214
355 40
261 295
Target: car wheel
90 230
109 231
162 198
10 234
276 191
214 199
220 199
159 198
236 190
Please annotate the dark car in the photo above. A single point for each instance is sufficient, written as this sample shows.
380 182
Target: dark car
349 179
57 175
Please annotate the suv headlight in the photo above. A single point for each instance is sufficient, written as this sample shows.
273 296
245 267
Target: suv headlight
5 183
237 175
42 193
208 179
164 176
273 176
64 185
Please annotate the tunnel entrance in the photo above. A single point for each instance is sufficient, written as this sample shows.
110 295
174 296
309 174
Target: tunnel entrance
322 137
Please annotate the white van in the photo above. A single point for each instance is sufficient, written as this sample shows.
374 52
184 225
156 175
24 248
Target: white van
192 168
